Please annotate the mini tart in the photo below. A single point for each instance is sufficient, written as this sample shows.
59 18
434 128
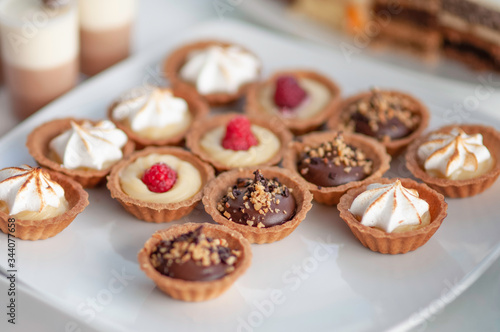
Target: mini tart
393 147
394 243
177 59
42 229
458 188
158 212
217 188
374 151
298 126
197 107
195 291
207 124
38 147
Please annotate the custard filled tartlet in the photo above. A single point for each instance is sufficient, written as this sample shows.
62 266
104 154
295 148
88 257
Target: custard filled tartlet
41 202
334 162
393 216
457 160
218 71
392 117
302 99
231 141
81 149
265 204
159 184
195 262
156 115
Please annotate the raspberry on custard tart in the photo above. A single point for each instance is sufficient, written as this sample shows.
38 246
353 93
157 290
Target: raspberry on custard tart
231 140
159 184
302 99
392 117
334 162
195 262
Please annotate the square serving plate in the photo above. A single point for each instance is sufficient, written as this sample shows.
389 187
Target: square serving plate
319 278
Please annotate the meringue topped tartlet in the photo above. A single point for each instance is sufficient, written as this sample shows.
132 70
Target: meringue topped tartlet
156 115
231 140
43 203
82 149
457 160
393 216
302 99
159 184
392 117
218 71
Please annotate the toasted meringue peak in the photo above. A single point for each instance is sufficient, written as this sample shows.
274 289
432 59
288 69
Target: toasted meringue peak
449 154
27 188
88 146
390 206
151 107
219 69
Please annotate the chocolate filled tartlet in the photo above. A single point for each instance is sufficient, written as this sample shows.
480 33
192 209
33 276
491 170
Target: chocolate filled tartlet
334 163
265 205
195 257
392 117
195 262
258 202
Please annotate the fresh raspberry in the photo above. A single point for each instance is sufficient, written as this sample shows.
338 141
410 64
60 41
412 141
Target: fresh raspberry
238 135
288 92
159 178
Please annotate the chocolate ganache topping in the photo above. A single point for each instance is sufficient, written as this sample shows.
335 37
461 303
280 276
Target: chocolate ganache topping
194 257
258 202
334 163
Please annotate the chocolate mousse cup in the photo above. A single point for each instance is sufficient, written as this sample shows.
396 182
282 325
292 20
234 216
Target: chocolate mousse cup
40 47
105 33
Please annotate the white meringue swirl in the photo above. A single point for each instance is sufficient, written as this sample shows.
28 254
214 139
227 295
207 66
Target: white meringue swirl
219 69
152 107
30 189
391 208
455 155
89 146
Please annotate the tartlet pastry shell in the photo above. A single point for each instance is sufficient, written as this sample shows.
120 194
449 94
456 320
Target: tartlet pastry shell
197 107
395 243
42 229
204 125
158 212
177 59
394 147
38 147
331 195
217 188
297 126
195 291
458 188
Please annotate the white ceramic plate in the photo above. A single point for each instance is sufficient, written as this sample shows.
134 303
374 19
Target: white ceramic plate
320 277
275 14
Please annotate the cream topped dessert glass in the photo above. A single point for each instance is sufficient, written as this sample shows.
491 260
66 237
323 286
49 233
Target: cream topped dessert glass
40 46
105 32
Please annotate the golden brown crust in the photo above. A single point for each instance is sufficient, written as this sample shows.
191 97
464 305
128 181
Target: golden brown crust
394 147
38 147
177 59
458 188
42 229
217 188
373 150
197 107
297 126
204 125
195 291
158 212
395 243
